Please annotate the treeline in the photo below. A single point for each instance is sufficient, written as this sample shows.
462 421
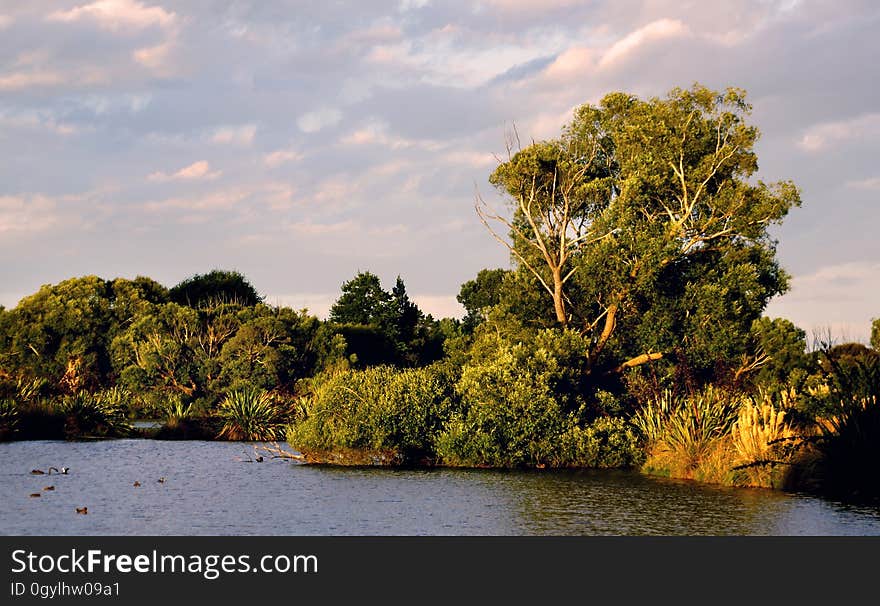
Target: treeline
157 351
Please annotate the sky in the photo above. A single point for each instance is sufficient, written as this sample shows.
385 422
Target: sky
302 142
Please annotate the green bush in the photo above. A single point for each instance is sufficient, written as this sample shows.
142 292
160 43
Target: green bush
608 442
379 409
510 414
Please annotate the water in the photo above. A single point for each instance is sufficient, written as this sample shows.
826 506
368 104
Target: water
211 490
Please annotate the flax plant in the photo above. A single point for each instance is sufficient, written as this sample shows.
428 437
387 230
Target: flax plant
252 414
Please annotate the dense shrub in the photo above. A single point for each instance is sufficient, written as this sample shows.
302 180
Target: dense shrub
379 409
523 404
607 442
510 413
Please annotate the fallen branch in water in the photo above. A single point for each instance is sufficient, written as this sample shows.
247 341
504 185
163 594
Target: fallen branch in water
276 451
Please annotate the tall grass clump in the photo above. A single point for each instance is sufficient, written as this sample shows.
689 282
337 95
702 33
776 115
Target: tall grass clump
95 414
175 411
8 419
685 435
376 415
251 414
763 443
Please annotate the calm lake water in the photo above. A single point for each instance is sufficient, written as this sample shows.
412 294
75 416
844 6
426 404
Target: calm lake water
211 490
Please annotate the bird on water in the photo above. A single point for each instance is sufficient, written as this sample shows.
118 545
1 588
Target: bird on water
40 472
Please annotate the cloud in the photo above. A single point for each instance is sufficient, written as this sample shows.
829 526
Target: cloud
237 135
376 133
5 21
317 120
115 15
27 214
196 170
571 63
209 202
439 306
308 228
155 58
662 29
37 121
33 79
821 137
281 156
871 183
411 5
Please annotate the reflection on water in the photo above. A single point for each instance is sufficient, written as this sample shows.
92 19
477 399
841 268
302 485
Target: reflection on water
210 489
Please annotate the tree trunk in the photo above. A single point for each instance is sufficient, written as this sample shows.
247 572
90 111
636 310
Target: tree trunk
559 298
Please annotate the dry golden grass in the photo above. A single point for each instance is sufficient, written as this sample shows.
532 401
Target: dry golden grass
758 437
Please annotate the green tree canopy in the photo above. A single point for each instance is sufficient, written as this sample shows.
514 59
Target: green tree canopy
644 226
214 288
785 348
384 327
479 295
363 301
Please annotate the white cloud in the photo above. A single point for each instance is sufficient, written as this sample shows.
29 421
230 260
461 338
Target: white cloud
27 214
281 156
376 133
117 14
570 63
317 120
5 21
196 170
439 306
23 80
662 29
826 135
470 158
238 135
155 58
37 121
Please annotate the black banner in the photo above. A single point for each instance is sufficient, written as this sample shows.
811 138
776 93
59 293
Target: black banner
406 570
